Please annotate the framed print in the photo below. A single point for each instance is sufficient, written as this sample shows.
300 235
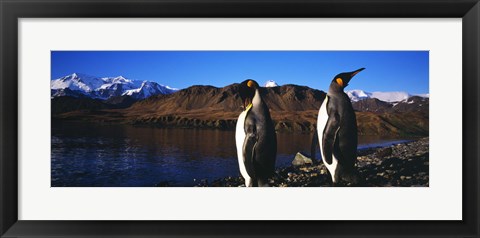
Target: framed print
159 117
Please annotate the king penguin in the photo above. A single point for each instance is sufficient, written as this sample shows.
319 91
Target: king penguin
337 132
255 137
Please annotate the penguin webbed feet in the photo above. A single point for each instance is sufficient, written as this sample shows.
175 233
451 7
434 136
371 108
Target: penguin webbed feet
262 183
352 179
259 182
346 178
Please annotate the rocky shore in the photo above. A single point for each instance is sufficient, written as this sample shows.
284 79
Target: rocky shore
399 165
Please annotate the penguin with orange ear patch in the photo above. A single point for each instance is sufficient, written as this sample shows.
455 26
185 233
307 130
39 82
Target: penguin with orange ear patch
255 137
337 132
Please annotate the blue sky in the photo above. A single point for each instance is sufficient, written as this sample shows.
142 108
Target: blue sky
385 70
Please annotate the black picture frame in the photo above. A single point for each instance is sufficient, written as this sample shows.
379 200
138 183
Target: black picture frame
12 10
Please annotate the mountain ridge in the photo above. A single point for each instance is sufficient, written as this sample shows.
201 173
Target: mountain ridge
293 108
390 97
78 84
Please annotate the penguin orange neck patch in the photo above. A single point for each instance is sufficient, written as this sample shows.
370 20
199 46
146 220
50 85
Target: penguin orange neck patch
248 107
339 81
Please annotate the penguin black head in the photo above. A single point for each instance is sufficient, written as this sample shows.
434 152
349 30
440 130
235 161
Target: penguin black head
247 91
341 81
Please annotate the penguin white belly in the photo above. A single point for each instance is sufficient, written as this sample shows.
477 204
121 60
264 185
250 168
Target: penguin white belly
321 123
239 139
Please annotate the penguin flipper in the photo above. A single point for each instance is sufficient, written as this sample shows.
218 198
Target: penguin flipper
330 136
249 153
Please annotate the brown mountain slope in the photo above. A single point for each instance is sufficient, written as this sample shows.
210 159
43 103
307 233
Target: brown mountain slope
284 98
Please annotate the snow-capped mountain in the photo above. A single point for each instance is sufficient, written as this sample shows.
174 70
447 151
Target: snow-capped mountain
148 89
391 97
77 82
271 83
381 102
357 95
104 88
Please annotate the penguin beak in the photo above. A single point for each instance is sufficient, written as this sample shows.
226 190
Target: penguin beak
350 76
356 72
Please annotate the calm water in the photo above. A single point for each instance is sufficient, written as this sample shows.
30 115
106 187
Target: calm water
122 156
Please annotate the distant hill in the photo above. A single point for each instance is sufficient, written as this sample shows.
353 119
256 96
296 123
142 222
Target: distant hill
411 104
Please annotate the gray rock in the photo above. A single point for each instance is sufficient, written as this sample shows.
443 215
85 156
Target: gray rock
301 159
384 152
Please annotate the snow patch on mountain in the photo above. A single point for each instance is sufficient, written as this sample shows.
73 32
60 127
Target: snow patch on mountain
357 95
170 88
391 96
271 83
148 89
425 95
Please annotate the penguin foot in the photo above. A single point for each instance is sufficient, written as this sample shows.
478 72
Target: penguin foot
263 183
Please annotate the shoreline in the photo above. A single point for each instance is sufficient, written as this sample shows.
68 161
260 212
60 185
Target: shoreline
399 165
231 127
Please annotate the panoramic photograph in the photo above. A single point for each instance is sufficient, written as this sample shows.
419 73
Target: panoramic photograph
239 118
